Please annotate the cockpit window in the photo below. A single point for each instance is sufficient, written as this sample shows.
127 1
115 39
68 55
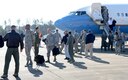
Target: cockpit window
78 13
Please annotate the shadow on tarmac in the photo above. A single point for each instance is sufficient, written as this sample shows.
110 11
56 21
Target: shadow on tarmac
35 72
99 60
59 65
80 65
76 64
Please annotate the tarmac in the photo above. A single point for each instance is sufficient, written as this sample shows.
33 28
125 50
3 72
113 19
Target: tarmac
105 65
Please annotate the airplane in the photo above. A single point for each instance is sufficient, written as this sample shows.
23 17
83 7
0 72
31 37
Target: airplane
95 18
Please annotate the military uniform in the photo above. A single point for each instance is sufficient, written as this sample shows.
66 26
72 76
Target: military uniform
50 43
36 43
28 45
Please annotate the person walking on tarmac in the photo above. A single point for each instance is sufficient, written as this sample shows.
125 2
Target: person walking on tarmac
37 40
103 41
90 38
13 40
70 43
57 38
29 40
50 44
64 41
110 42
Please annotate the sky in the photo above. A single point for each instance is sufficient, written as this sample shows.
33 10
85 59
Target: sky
26 10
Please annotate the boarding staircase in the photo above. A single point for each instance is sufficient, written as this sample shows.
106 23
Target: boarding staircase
100 14
105 16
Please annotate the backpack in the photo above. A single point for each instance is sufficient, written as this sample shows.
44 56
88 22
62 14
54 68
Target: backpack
55 51
39 59
1 42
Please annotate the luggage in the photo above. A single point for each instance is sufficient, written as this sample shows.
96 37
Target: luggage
55 51
1 42
44 40
39 59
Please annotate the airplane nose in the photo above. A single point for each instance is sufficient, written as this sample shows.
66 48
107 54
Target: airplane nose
71 23
78 23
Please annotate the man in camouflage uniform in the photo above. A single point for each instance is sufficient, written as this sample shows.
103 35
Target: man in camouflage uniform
50 44
57 37
28 44
76 35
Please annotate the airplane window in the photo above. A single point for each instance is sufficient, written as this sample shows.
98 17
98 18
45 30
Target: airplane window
122 14
118 14
83 12
78 13
126 14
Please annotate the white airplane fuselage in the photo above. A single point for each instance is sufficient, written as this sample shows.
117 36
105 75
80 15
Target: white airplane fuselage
91 17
